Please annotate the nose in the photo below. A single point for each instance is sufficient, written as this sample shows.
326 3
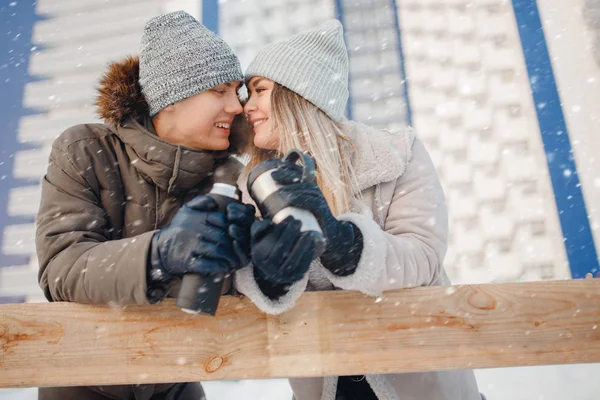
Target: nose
233 105
250 105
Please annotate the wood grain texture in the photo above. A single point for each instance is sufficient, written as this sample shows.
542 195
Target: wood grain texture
327 333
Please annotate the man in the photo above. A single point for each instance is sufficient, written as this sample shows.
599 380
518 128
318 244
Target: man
121 219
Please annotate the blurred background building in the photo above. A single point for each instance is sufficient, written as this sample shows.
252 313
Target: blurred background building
474 77
505 95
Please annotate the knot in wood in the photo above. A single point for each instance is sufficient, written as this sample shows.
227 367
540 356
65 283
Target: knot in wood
214 364
482 301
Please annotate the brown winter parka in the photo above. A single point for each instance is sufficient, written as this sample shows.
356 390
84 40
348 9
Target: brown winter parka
108 188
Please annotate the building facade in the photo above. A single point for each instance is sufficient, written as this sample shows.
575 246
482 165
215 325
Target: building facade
456 70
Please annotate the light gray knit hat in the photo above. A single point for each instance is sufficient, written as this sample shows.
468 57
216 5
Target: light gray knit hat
313 64
180 58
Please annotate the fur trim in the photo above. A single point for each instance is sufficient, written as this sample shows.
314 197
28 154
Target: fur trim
120 95
393 150
317 279
372 260
246 284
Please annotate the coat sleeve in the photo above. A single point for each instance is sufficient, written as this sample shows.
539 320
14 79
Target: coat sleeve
410 250
246 283
78 262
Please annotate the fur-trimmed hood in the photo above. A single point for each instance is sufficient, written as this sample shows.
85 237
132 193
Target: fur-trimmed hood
119 93
120 98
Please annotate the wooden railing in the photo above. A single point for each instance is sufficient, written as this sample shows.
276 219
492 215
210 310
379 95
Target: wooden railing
326 333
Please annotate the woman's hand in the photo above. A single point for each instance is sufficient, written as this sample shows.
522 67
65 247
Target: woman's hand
240 217
281 253
344 240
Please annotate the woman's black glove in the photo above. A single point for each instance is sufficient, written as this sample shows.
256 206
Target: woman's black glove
281 253
240 217
344 239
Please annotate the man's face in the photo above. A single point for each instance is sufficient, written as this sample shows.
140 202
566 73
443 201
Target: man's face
202 121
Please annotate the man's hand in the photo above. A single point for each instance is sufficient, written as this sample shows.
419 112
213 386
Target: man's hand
196 241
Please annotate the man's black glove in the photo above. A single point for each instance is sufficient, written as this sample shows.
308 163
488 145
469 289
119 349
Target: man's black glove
196 241
281 253
344 239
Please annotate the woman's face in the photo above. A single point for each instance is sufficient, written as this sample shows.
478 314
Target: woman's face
258 109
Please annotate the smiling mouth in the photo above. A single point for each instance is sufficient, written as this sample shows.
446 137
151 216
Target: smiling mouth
258 122
223 125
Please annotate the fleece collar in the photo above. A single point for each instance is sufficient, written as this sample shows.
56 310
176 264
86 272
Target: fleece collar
381 156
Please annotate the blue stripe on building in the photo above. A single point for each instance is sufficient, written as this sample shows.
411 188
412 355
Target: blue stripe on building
210 15
398 32
573 215
16 26
339 12
17 19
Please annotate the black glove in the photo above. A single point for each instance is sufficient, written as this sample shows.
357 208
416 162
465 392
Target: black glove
196 241
240 217
281 253
344 239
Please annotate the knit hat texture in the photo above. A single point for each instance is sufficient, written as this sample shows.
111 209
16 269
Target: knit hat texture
180 58
313 64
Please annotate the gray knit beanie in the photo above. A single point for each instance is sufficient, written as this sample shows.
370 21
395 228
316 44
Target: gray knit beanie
180 58
313 64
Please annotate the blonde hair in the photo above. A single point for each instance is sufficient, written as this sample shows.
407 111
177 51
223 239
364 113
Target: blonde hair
304 126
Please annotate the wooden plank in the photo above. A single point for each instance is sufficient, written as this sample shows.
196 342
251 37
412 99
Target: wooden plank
327 333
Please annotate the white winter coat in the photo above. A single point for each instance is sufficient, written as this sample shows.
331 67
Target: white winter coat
401 212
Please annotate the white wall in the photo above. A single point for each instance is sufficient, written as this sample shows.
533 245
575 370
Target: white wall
577 72
472 107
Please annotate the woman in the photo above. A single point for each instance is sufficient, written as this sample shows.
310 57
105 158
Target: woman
378 200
